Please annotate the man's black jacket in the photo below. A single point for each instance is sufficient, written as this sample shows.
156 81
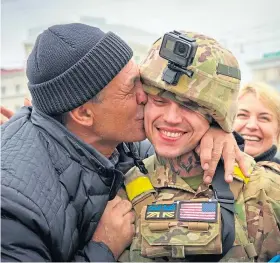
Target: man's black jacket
54 190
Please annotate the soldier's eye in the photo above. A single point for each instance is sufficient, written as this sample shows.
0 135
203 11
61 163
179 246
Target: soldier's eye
158 101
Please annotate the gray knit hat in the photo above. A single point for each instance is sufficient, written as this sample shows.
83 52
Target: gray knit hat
71 63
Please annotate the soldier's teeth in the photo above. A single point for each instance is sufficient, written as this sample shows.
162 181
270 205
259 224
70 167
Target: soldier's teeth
172 134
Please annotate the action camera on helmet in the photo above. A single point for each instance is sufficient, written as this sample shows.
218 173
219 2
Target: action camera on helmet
180 51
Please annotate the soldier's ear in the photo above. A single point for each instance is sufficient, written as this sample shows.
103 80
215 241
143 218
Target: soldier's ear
83 115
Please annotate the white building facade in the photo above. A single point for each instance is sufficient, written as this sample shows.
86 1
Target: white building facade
13 88
258 51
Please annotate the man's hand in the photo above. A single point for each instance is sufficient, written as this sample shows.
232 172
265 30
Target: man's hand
8 113
216 144
116 226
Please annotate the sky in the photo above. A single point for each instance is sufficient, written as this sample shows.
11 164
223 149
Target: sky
221 19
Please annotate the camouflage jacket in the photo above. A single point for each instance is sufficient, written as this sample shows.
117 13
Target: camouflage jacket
257 217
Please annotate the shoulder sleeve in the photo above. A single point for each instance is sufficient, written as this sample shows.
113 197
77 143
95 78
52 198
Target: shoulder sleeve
264 186
262 205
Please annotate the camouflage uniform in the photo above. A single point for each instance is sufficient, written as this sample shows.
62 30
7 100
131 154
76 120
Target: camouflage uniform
257 201
257 206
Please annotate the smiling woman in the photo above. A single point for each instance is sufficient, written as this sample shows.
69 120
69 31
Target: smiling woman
258 120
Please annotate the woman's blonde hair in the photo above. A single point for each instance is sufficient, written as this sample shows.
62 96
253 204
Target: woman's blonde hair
268 95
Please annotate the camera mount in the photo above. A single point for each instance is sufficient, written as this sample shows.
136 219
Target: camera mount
179 50
172 73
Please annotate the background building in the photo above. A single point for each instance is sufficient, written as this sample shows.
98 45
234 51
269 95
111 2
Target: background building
258 51
267 69
13 88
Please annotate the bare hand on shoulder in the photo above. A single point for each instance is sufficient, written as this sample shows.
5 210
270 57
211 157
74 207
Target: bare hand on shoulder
215 144
8 114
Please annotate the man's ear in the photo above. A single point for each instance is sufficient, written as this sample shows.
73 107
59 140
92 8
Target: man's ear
83 115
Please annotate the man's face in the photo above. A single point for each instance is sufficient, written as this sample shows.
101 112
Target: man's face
172 128
119 116
257 124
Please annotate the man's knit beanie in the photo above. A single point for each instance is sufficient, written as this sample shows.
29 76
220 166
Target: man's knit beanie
71 63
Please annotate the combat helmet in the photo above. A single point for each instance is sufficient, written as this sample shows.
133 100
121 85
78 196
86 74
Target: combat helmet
210 89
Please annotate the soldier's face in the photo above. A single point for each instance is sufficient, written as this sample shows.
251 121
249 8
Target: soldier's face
173 129
257 124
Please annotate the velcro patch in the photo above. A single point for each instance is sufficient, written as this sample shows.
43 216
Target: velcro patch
198 211
228 71
161 211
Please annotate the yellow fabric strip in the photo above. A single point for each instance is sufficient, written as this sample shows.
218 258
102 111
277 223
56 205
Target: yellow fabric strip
237 172
138 186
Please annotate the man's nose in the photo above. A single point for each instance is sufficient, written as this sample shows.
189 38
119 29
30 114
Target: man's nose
141 96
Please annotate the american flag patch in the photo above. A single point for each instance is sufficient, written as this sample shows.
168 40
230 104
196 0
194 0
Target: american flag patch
198 211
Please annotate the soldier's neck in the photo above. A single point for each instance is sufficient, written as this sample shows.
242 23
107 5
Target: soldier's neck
185 165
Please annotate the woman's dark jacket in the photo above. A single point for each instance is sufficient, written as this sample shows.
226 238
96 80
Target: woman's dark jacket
269 155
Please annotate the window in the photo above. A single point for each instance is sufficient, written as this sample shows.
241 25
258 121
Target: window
17 88
3 90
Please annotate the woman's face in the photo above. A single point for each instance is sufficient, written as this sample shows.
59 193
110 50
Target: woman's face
173 129
257 124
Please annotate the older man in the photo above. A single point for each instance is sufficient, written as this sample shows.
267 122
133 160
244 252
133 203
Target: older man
59 157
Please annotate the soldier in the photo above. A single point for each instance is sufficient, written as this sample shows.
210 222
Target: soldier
192 82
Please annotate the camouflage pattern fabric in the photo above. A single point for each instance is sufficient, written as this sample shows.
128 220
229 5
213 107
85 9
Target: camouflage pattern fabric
210 93
257 218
